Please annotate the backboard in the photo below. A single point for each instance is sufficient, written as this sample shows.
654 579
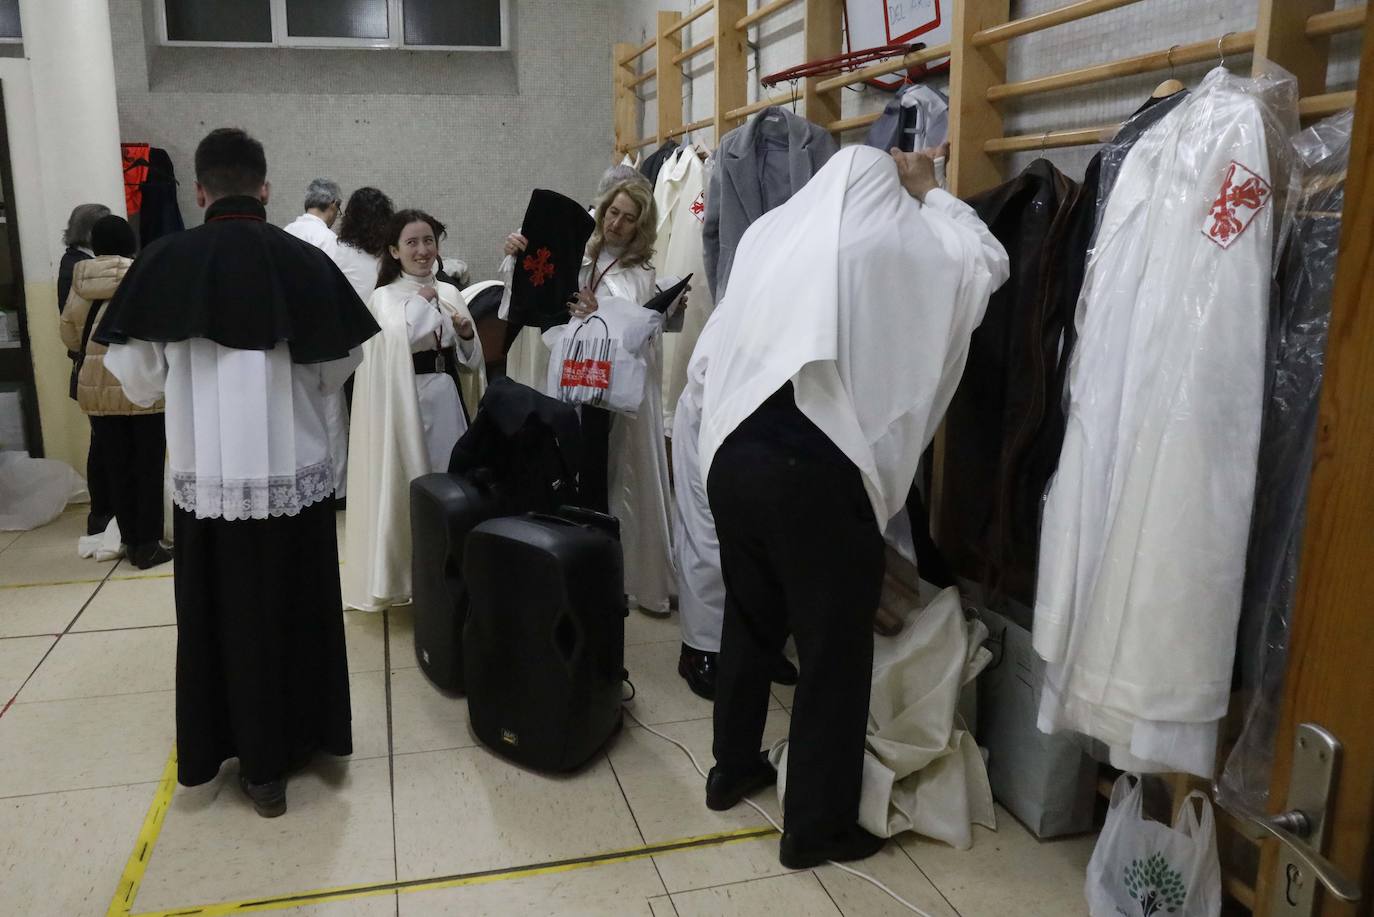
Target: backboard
872 23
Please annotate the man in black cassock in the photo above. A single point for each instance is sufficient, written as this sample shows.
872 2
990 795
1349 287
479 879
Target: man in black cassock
246 330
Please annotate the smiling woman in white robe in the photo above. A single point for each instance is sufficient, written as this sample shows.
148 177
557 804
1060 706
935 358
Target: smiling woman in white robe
407 409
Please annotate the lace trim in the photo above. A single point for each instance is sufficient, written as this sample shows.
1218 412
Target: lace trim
252 498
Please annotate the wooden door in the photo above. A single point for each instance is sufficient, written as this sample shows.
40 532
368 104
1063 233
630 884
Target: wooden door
1330 678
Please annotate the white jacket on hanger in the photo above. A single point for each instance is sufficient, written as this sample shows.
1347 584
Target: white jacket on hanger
1144 534
682 254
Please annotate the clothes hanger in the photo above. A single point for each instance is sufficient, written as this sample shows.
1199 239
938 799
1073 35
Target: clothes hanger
1221 52
1171 85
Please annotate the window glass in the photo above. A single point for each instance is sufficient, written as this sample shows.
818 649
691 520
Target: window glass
219 20
9 19
336 19
453 22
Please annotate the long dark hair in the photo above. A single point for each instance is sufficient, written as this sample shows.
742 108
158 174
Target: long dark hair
391 268
365 220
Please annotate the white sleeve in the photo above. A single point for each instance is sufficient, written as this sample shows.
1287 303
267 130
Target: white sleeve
141 368
471 351
423 321
994 256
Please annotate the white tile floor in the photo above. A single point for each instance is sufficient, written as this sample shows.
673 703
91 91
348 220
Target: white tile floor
86 675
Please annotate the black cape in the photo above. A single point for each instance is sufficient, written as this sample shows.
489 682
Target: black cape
545 276
242 283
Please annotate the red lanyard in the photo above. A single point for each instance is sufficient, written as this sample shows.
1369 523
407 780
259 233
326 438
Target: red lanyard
596 281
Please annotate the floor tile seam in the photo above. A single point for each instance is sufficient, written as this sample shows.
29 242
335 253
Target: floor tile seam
40 585
14 699
815 874
933 884
79 789
111 630
635 818
390 747
64 700
27 637
786 874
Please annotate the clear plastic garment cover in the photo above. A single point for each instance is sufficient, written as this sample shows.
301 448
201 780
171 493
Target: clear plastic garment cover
1300 320
1146 524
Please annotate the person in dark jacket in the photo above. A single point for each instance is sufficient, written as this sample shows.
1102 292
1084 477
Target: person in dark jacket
77 238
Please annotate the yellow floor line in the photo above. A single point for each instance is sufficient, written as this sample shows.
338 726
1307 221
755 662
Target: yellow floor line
127 890
65 582
351 892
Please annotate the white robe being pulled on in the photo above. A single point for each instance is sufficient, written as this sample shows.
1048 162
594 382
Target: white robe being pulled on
403 426
865 299
1143 539
696 547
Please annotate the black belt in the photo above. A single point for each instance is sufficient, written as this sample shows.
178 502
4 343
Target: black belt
443 362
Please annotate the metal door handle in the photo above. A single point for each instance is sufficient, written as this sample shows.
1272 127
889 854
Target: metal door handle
1292 829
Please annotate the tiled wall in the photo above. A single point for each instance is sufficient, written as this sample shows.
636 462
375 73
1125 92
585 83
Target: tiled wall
1143 27
466 140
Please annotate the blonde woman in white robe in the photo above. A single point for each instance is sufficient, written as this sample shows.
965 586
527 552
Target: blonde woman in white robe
630 478
408 411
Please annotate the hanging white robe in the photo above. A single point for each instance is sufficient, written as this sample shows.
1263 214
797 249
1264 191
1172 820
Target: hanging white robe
312 229
865 299
1144 534
404 426
680 255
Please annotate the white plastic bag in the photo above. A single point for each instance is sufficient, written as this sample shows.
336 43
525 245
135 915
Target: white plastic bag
599 360
1141 868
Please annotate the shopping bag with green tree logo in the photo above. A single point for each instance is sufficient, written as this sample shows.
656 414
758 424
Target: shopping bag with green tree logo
1141 868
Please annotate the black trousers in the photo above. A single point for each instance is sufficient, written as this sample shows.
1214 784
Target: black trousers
593 480
801 553
262 671
102 505
129 457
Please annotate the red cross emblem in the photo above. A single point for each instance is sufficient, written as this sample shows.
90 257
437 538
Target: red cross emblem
539 268
699 208
1243 195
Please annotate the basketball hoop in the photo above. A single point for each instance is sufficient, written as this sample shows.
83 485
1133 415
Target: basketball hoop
842 63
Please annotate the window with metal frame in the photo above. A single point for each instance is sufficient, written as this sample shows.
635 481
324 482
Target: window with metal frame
438 25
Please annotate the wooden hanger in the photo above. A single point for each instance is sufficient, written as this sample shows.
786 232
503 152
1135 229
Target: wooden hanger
1171 85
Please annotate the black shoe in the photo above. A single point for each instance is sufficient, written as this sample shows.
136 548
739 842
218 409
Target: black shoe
269 799
698 669
853 844
784 672
152 554
96 525
725 790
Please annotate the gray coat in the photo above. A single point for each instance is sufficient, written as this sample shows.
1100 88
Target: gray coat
737 188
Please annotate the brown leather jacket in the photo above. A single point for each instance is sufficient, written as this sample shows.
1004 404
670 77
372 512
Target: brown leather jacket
97 390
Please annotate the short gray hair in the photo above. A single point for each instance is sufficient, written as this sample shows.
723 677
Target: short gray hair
79 224
322 194
617 174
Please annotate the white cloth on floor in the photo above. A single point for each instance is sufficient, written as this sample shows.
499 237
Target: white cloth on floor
1144 534
34 492
923 771
105 546
865 299
404 426
246 429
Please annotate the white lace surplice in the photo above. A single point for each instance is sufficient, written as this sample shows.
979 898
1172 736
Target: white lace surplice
246 430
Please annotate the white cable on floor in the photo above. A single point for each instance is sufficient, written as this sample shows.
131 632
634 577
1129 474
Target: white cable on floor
758 808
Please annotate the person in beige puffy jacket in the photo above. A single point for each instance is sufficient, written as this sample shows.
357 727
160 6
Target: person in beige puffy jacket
130 441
